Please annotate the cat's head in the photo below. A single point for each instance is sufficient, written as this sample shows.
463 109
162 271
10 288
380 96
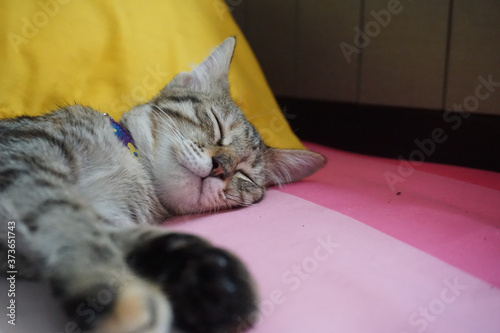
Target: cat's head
202 152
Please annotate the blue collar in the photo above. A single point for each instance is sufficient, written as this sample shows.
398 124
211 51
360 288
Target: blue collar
124 136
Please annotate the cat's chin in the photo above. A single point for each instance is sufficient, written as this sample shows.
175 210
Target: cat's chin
193 194
212 195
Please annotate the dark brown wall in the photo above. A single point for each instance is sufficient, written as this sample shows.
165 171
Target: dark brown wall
430 55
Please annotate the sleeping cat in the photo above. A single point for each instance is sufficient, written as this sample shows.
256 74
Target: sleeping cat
84 192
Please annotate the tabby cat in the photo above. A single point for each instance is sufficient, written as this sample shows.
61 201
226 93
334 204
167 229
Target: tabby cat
84 200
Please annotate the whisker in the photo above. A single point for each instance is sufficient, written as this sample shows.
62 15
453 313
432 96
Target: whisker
175 130
264 113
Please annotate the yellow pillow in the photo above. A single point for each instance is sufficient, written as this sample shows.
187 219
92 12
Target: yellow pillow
114 54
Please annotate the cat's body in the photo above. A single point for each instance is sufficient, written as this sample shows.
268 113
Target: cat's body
76 146
82 203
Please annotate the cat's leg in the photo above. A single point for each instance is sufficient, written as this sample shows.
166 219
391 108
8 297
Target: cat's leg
86 270
209 288
40 193
88 275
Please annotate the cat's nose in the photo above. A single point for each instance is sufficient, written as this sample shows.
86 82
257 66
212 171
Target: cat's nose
217 169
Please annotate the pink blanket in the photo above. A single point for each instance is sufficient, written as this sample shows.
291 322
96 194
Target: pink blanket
365 245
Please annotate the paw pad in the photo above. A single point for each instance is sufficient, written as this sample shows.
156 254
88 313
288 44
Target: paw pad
209 288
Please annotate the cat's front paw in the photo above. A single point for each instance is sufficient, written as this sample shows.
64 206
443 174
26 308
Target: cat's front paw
137 306
209 289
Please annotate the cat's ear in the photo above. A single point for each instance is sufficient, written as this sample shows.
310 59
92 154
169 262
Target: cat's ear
290 165
212 72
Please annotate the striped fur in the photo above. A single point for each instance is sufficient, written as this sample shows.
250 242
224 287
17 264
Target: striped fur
83 205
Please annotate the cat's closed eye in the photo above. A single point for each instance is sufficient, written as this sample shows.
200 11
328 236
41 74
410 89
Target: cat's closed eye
220 130
243 175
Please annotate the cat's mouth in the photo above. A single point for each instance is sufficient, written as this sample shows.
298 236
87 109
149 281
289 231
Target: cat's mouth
193 188
191 175
204 192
